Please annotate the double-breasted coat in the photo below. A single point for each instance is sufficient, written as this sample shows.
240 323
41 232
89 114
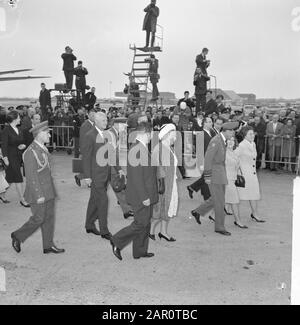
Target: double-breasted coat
246 151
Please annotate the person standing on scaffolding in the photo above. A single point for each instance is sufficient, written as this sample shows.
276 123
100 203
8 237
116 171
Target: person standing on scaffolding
154 76
68 67
80 73
150 22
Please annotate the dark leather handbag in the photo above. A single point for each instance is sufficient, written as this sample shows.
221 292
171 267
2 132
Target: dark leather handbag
77 166
118 183
240 182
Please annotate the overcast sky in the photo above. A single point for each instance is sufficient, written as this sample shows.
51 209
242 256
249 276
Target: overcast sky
252 45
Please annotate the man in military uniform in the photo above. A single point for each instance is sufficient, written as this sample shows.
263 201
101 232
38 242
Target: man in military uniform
216 178
39 193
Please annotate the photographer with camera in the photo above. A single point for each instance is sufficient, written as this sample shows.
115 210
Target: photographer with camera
202 61
200 83
80 73
68 67
154 76
150 22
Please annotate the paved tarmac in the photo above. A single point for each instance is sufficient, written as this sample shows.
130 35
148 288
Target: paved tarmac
201 267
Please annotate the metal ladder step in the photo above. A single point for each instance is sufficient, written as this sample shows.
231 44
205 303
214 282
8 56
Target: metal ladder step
140 62
141 76
143 55
140 69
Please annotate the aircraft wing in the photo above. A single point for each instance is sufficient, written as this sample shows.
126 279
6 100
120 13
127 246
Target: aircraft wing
22 78
14 71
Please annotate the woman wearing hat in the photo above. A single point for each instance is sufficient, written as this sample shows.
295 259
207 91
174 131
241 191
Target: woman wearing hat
167 207
247 154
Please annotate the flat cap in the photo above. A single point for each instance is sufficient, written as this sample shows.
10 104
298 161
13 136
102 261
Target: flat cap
39 128
230 126
225 110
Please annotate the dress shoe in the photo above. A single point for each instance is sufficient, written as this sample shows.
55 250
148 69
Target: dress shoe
128 215
225 233
147 255
93 231
116 251
196 215
54 250
228 213
4 200
211 218
171 239
257 220
152 237
77 180
191 191
16 244
240 226
107 236
25 205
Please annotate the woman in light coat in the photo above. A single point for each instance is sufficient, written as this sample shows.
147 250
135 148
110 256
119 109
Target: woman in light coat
247 154
232 165
166 208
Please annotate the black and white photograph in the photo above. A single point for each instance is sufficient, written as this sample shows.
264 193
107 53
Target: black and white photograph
149 155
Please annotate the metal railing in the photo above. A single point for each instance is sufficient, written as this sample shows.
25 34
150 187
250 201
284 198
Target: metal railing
61 137
280 152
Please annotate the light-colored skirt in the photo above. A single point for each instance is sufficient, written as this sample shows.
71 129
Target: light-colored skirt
231 193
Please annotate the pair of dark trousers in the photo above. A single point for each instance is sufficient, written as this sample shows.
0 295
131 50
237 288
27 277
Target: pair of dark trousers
137 232
216 202
97 208
155 92
200 103
274 154
69 75
148 32
43 216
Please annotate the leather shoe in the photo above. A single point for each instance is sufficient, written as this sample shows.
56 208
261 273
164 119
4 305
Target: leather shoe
54 250
128 215
190 190
147 255
116 251
196 215
107 236
77 180
16 244
93 231
225 233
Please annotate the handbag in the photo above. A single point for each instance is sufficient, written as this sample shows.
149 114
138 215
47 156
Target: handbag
118 183
240 182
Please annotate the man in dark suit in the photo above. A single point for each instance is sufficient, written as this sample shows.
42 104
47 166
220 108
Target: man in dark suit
200 183
84 129
39 193
90 99
97 173
220 105
68 67
141 194
200 83
211 105
216 178
202 61
80 72
45 102
150 22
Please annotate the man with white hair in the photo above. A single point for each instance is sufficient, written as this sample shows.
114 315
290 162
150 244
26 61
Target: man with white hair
97 176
